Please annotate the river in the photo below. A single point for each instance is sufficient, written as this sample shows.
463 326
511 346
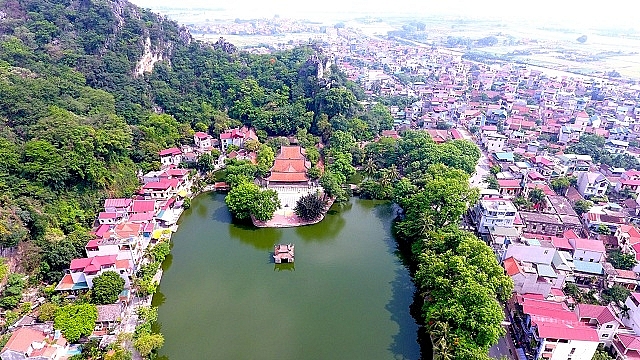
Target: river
346 297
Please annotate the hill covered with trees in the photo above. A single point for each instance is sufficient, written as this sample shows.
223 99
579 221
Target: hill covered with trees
91 90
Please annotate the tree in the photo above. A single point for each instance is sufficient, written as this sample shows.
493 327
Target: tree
538 198
76 320
205 162
582 206
147 343
309 207
369 168
12 293
602 355
266 203
47 311
560 185
442 200
621 260
246 199
332 185
106 288
160 251
603 230
615 293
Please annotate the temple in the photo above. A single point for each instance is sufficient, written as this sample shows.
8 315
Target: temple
289 168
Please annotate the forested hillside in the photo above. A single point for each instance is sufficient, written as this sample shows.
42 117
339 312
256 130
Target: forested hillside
91 90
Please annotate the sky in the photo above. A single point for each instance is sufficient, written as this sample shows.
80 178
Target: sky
572 13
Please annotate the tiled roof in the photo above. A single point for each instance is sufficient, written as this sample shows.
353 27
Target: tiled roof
117 203
170 151
511 266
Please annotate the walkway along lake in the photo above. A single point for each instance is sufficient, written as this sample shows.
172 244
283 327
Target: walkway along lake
346 296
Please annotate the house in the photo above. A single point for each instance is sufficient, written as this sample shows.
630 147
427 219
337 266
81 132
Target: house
626 346
108 318
531 277
592 184
601 318
616 146
509 187
203 141
120 206
143 206
170 157
549 330
163 189
109 218
541 223
491 212
82 271
493 141
625 278
31 342
587 250
633 319
237 137
588 273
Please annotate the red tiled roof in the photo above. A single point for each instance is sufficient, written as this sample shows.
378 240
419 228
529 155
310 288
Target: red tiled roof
143 205
22 338
587 244
142 217
290 166
554 320
170 151
511 266
630 342
117 203
509 183
561 243
201 135
107 215
102 230
92 264
127 229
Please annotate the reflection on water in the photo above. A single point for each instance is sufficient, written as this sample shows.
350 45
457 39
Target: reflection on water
347 296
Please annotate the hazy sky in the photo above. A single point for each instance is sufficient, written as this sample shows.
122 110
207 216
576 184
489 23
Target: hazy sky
581 13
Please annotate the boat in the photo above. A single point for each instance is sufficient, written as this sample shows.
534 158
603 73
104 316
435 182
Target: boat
283 253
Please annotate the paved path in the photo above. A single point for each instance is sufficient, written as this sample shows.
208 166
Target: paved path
483 166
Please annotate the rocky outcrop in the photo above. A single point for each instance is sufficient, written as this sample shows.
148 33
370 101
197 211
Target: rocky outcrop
148 60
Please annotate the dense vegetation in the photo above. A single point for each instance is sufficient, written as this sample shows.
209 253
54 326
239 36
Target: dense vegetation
593 145
80 117
459 281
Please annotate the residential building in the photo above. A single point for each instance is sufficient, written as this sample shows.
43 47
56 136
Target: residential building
493 141
31 342
494 212
592 184
170 157
82 272
633 319
601 318
549 330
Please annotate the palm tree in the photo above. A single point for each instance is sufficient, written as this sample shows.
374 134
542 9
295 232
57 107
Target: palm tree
625 310
370 169
442 349
393 172
537 198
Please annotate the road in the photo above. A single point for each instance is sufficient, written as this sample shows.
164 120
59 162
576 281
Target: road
483 166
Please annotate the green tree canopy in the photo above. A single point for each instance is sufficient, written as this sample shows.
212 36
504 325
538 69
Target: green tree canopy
76 320
106 288
310 207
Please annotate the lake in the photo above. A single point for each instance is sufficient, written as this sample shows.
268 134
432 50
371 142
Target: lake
347 295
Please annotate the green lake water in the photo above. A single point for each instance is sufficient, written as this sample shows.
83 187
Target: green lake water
346 297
